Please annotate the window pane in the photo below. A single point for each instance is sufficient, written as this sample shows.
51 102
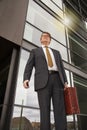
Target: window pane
22 94
81 85
39 18
53 7
76 22
58 2
27 118
29 113
78 50
33 35
57 46
75 4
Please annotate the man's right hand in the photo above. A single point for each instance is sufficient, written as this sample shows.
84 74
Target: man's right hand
26 84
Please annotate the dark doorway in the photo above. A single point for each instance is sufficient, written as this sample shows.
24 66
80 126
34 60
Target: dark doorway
9 61
5 59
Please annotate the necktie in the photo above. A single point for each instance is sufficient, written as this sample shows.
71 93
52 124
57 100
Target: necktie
50 63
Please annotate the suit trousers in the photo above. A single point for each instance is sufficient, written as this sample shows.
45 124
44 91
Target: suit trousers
53 90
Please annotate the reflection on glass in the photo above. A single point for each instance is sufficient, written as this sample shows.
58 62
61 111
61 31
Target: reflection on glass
57 46
86 24
81 85
32 34
27 95
27 118
53 6
20 91
30 113
58 2
75 3
78 50
34 37
76 23
44 21
68 77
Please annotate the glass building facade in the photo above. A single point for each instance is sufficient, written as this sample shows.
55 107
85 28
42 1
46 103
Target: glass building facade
66 21
68 31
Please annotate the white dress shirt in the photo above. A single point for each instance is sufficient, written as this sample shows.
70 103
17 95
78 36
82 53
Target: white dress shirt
54 67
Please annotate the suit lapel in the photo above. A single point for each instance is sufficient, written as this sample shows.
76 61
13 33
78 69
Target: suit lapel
41 52
56 56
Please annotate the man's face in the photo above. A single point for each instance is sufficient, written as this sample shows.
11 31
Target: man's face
45 39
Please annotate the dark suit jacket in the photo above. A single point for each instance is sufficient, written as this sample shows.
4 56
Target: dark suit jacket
37 60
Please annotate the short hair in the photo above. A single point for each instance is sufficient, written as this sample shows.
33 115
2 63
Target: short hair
46 33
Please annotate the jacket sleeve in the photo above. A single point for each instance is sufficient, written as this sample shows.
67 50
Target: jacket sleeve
29 67
63 71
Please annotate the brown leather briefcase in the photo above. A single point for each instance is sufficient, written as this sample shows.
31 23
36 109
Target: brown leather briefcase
71 101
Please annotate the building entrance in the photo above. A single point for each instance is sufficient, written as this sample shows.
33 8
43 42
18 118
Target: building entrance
5 58
9 60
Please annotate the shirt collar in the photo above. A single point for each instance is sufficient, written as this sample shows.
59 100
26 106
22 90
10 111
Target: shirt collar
44 46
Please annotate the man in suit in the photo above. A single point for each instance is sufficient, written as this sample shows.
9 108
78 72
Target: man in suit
50 82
